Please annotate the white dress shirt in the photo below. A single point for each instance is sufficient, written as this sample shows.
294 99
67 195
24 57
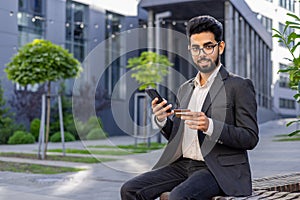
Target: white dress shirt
190 144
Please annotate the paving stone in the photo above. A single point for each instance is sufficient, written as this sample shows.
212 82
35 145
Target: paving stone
279 195
292 196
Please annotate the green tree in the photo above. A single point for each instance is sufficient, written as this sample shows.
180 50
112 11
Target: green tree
291 42
149 68
42 61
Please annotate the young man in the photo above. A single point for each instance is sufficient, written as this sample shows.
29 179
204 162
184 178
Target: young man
207 148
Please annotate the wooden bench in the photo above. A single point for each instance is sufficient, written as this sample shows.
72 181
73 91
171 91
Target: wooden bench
283 187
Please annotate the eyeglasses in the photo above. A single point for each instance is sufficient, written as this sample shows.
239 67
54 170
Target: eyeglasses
207 49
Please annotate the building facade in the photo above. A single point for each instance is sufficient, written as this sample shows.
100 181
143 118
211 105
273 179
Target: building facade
77 25
248 44
273 15
105 35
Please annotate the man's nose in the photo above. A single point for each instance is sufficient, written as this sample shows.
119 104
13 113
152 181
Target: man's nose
201 52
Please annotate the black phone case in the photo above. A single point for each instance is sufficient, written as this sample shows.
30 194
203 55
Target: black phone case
153 94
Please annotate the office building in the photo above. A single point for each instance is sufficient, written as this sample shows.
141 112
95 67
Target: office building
273 15
105 35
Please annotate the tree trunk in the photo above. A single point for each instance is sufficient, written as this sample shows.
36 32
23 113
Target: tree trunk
47 119
145 118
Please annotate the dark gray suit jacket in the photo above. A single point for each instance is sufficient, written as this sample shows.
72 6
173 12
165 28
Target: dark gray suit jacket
231 104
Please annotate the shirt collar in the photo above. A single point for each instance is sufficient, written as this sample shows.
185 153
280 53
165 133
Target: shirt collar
210 79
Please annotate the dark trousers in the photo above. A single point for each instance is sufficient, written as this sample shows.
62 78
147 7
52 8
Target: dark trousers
185 179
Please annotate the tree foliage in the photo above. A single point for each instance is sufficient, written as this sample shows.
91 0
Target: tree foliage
149 68
41 61
292 43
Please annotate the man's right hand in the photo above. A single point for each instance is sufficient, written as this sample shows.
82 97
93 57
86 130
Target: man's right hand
160 111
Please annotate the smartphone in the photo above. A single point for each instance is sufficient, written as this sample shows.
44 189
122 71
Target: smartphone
154 94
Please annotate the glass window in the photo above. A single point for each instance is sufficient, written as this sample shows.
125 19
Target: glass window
76 29
266 22
35 6
76 33
31 23
287 4
288 31
283 77
113 50
287 103
21 4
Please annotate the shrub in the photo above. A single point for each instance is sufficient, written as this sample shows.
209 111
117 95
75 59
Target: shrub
93 122
70 125
96 134
21 137
83 129
6 130
56 137
35 128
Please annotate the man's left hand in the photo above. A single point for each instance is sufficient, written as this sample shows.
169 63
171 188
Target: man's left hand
196 120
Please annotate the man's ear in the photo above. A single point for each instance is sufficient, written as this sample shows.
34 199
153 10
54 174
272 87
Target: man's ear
221 47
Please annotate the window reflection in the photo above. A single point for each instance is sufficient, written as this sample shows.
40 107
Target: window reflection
31 22
76 29
116 67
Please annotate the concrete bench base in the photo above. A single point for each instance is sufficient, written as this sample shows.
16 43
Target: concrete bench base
283 187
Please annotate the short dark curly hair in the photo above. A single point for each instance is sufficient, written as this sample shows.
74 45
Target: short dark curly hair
204 23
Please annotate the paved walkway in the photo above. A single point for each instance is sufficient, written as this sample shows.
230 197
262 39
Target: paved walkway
103 181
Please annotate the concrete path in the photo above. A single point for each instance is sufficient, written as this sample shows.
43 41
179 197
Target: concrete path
103 181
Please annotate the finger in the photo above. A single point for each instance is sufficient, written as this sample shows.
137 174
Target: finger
191 116
163 110
168 107
165 114
159 108
199 125
202 114
194 127
154 102
192 123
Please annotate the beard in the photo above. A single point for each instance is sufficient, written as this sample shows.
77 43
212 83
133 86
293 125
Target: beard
206 65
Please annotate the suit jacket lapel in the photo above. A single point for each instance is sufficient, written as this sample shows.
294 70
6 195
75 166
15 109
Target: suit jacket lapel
184 102
173 150
215 88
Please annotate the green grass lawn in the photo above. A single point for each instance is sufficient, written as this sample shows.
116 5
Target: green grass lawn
35 168
119 150
58 157
141 147
286 138
96 150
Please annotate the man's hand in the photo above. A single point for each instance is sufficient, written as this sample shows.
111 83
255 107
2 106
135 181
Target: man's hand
160 111
196 120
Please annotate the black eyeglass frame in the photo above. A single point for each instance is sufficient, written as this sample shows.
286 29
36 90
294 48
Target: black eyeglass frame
202 49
